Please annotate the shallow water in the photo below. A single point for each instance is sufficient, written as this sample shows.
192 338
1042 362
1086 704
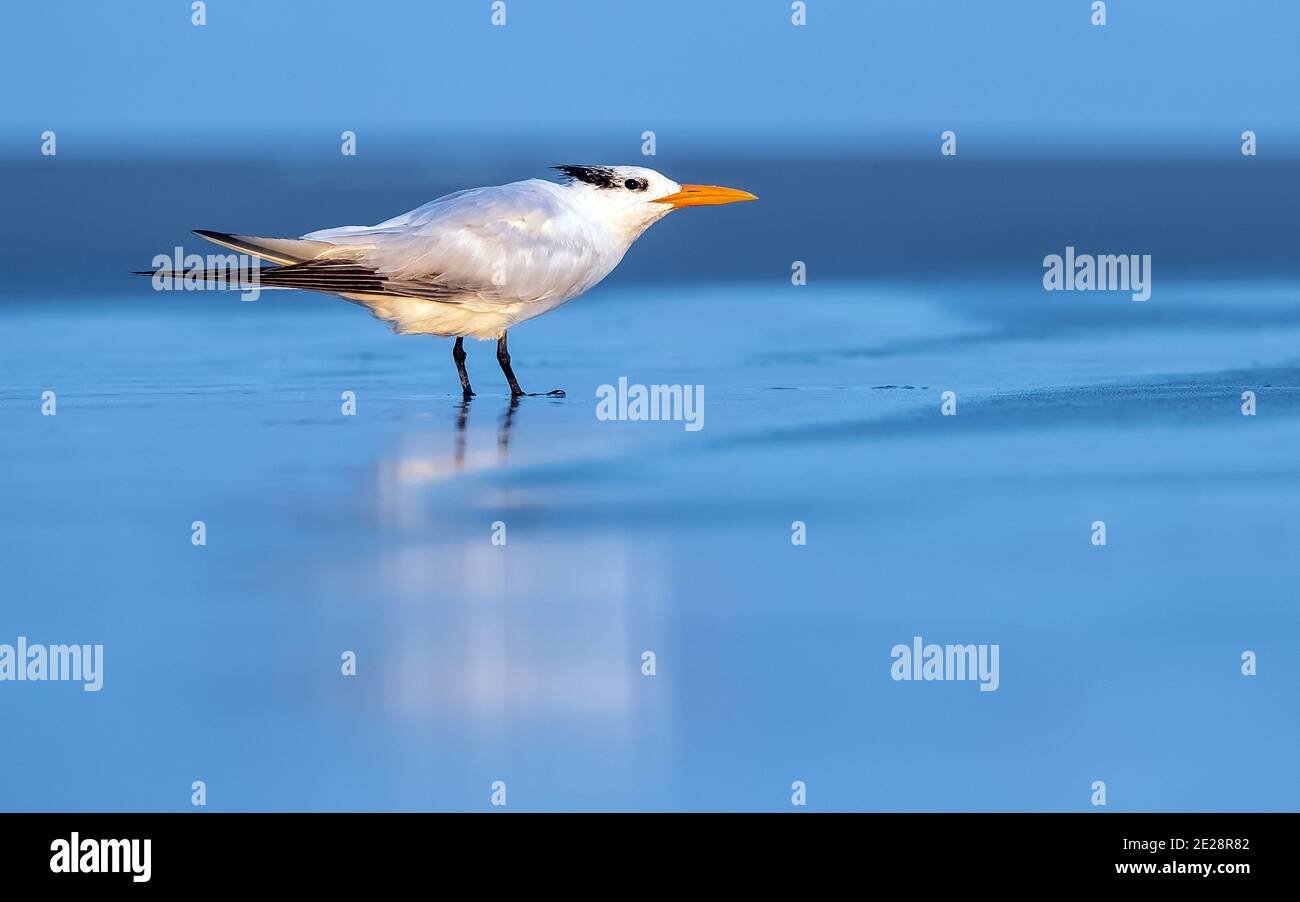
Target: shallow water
522 663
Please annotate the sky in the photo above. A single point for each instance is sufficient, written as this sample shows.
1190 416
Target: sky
731 72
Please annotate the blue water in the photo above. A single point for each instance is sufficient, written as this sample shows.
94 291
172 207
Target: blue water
522 662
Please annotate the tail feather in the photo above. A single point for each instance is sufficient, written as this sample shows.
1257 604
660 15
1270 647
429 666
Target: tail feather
329 276
221 278
285 251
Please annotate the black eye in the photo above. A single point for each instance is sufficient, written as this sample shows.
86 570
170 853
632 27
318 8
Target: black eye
633 185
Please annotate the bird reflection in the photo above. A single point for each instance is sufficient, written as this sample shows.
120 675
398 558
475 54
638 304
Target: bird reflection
462 417
504 425
503 429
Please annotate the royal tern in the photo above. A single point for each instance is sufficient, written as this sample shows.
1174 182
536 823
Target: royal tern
474 263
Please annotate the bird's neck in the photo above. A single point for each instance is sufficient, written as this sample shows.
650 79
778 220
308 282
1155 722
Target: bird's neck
623 224
633 222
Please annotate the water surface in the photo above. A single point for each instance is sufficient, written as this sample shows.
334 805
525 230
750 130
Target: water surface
476 662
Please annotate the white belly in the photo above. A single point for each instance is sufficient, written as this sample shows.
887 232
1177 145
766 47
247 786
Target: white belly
483 320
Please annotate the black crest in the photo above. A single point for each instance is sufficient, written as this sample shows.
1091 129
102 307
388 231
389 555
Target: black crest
600 176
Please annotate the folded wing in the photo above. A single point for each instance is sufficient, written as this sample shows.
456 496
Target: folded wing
509 252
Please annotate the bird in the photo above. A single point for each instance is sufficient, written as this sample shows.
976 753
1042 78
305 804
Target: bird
475 263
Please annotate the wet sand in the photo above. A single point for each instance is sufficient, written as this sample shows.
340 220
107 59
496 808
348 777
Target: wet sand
477 662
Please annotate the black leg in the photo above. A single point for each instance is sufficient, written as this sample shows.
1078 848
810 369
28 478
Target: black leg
503 358
458 355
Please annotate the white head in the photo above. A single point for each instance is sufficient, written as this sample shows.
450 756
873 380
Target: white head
630 199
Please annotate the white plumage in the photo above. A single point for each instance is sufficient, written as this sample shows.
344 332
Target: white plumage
509 252
476 262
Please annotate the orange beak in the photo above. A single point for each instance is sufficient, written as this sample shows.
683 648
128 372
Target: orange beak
704 196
